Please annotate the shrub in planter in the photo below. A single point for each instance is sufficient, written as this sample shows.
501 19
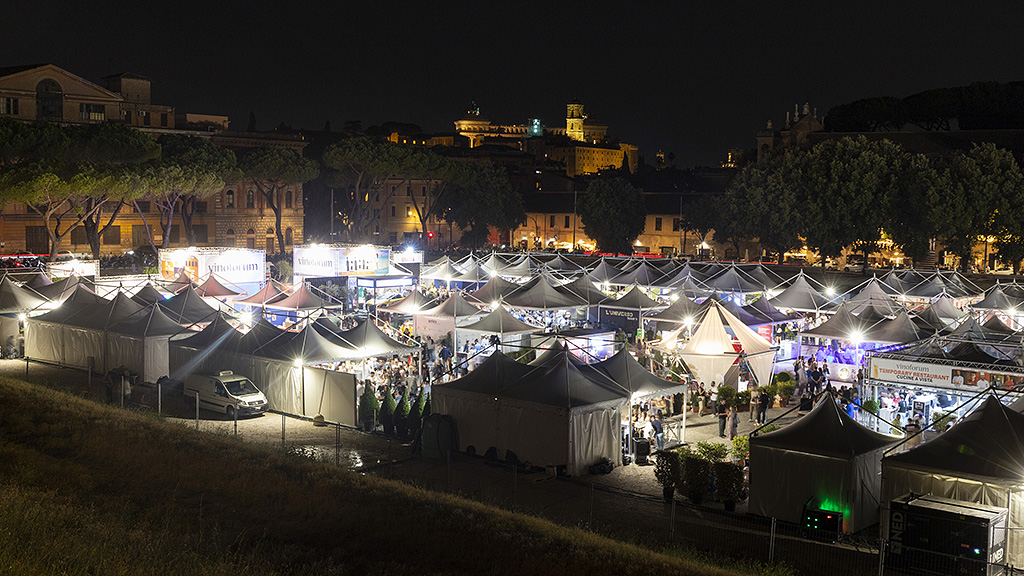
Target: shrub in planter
941 421
729 483
768 428
743 398
416 414
668 472
696 477
786 390
402 410
387 412
712 451
369 408
727 395
740 448
870 406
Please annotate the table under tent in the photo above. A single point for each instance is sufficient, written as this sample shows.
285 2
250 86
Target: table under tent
823 461
553 416
980 459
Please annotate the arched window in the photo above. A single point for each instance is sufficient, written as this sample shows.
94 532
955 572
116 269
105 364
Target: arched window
229 199
270 240
250 238
229 236
250 199
288 237
288 199
49 100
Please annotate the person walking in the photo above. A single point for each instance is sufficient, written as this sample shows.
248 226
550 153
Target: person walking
754 402
763 402
723 414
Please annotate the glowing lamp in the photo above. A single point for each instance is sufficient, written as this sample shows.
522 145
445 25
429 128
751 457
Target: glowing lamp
298 362
830 291
22 317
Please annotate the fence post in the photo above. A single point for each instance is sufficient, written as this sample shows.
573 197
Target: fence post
590 522
197 409
881 558
282 430
672 519
448 481
337 445
771 543
159 398
515 487
122 390
236 420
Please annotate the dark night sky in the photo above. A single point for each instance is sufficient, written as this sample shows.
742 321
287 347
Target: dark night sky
695 78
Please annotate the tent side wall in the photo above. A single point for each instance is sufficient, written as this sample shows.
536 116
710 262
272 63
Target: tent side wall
832 483
81 343
474 414
127 351
595 435
898 481
332 394
43 341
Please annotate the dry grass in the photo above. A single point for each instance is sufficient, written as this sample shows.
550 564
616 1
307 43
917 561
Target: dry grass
87 489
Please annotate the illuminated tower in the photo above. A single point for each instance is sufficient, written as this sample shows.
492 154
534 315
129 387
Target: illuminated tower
574 118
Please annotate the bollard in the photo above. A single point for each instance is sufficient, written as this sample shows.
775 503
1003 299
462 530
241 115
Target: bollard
197 409
236 420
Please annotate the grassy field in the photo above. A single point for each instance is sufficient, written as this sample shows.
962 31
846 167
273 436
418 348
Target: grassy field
86 489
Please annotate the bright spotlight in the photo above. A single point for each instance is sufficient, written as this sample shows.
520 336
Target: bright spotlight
830 291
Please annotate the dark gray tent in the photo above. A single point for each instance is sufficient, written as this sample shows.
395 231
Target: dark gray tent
148 295
413 303
271 292
644 275
682 311
801 296
732 280
538 294
142 344
14 298
188 307
547 415
370 341
633 299
500 321
494 290
825 460
980 459
584 288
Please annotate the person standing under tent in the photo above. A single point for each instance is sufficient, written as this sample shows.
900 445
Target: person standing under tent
701 395
659 433
763 402
734 422
754 403
714 397
723 414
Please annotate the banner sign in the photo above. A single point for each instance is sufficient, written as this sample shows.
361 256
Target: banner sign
938 376
333 260
238 267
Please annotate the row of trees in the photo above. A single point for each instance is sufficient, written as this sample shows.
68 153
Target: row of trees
85 176
850 191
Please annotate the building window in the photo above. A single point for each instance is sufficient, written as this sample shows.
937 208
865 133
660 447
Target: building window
376 213
8 106
202 233
408 190
78 236
657 224
250 199
229 238
567 223
201 207
423 191
142 206
677 224
127 116
229 199
393 188
145 118
288 199
37 240
393 237
112 236
553 220
408 211
289 237
163 120
175 234
392 211
140 237
250 238
49 100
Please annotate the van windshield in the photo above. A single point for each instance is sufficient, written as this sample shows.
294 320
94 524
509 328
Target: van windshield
241 387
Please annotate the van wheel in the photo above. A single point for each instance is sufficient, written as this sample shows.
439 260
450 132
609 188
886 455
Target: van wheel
230 412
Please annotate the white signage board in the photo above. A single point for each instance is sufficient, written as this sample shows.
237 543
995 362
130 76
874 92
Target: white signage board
238 268
327 261
911 373
65 268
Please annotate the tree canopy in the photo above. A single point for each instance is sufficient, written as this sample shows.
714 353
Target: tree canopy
613 214
272 170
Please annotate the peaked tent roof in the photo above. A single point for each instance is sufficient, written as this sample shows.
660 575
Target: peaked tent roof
681 311
62 289
731 280
873 295
453 306
262 338
494 290
988 443
538 294
473 273
776 316
826 431
801 296
604 271
188 307
491 376
212 288
368 341
633 299
14 298
583 287
148 295
624 370
272 291
219 333
39 280
844 325
566 385
444 271
413 303
120 308
944 307
996 299
180 282
500 321
153 323
306 346
899 330
301 300
644 275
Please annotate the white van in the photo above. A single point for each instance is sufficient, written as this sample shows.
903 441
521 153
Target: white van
225 392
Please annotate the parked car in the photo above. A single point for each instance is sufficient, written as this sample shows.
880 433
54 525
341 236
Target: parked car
226 392
855 263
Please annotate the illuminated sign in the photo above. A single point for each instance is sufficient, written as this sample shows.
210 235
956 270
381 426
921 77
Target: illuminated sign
321 261
239 266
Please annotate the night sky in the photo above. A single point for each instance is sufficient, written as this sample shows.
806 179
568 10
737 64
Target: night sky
693 78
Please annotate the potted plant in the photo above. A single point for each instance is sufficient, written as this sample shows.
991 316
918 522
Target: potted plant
387 412
870 406
941 421
369 408
668 472
712 451
743 400
729 482
696 477
786 390
740 449
402 416
727 395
